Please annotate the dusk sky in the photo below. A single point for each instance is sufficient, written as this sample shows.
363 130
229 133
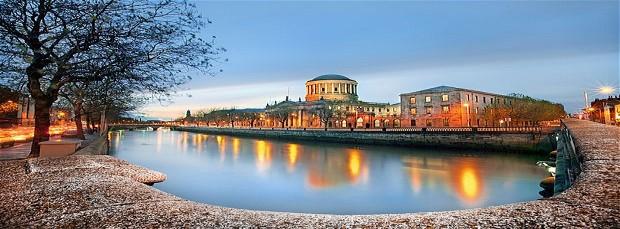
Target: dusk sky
550 50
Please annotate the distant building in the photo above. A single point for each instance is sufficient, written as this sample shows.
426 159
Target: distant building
605 111
445 106
338 94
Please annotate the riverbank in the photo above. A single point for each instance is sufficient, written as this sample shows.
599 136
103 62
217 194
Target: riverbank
101 191
531 142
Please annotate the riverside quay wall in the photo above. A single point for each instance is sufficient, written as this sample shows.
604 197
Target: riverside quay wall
506 139
99 191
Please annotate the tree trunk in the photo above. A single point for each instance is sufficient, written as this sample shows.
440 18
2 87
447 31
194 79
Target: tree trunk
89 130
41 124
77 109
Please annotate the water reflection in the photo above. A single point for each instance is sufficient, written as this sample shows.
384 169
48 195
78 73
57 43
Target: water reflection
327 178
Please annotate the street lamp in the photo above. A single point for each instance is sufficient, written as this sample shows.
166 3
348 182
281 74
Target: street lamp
606 90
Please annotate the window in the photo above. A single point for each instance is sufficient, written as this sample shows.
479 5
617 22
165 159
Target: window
429 122
379 109
412 100
335 89
388 110
444 98
413 122
445 109
476 98
476 110
427 99
322 89
413 111
484 99
429 110
446 122
467 98
491 100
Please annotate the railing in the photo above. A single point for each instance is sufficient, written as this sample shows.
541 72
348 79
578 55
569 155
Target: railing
568 165
402 129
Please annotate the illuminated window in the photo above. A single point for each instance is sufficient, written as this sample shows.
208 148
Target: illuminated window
445 109
412 100
429 110
444 98
429 122
413 111
427 99
446 122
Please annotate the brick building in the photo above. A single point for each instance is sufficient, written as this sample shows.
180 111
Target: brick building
445 106
605 111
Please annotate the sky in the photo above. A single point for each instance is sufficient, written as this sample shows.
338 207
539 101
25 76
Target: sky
553 50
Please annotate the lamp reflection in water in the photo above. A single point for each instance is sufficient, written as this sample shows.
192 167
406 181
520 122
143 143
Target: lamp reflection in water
221 144
293 154
415 179
263 155
235 147
354 165
467 182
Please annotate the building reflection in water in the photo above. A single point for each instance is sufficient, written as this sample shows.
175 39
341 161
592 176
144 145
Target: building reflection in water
329 169
461 175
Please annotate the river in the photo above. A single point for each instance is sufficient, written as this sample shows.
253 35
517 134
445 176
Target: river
317 177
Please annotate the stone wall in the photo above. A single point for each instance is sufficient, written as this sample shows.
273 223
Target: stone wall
520 142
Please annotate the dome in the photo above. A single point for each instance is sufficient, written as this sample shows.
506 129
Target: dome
330 77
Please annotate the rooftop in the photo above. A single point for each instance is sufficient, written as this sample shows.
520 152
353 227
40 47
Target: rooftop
441 89
330 77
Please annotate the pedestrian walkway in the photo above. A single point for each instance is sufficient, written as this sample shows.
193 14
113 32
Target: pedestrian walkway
19 151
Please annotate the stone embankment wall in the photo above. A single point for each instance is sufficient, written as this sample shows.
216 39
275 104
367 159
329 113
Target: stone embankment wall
103 192
521 142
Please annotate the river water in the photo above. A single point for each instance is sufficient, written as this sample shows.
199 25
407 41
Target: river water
317 177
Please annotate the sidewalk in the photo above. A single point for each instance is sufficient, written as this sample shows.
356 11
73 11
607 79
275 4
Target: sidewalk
19 151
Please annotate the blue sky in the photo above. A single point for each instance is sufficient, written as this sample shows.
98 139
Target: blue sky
551 50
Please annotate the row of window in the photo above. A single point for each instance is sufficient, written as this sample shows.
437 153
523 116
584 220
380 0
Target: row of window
429 110
368 109
492 100
428 99
429 122
346 88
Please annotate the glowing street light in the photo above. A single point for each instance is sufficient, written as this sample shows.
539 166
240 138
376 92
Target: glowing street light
606 90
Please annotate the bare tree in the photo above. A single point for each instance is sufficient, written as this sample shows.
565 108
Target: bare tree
47 44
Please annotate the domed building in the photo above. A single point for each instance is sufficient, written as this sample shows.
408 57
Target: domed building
331 101
331 87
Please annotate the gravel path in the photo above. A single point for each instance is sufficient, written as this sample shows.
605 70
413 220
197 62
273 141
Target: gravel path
94 191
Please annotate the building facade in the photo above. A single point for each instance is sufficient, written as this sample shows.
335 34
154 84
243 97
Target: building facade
331 101
606 111
445 106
